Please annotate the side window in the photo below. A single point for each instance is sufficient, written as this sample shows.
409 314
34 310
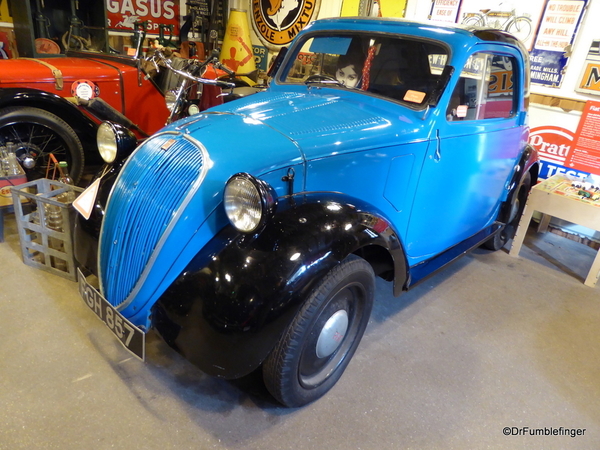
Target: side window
485 89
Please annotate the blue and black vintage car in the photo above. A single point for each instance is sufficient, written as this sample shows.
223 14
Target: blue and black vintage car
249 236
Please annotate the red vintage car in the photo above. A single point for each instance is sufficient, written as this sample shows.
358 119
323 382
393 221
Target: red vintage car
54 105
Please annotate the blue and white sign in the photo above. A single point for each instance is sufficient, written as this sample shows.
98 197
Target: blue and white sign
555 35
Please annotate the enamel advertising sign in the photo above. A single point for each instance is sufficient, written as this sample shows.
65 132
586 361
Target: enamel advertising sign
123 14
556 34
590 79
277 22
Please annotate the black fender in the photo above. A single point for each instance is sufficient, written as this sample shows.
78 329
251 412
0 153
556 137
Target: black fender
527 163
86 232
230 306
84 126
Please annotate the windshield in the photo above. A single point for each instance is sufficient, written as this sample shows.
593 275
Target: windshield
398 68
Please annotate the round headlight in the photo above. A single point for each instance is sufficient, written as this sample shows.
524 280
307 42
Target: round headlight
107 142
249 202
114 141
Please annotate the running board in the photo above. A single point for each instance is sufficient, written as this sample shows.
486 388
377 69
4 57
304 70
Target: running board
423 270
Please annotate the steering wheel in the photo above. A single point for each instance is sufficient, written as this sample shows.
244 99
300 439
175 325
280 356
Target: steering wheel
318 78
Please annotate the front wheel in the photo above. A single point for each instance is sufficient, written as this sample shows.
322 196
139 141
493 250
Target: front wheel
38 133
520 28
318 345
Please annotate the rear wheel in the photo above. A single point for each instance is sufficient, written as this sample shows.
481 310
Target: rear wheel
38 133
317 347
474 21
516 211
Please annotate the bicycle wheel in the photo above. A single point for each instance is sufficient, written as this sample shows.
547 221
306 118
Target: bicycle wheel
476 20
520 27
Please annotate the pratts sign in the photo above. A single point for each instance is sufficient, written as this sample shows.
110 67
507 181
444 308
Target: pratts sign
277 22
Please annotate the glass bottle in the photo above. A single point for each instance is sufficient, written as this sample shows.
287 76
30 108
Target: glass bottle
14 168
3 162
69 195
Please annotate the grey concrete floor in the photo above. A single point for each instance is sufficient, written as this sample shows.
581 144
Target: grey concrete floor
491 342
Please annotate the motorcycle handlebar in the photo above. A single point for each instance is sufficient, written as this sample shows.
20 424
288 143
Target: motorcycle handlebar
213 59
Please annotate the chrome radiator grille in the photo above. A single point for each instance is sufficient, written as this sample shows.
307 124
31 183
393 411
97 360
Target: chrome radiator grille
144 200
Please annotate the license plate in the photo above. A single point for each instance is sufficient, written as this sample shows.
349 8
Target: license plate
128 334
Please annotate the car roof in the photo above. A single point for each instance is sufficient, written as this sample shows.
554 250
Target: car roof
453 34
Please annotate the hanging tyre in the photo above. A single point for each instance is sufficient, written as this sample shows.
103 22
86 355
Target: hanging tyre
38 133
318 345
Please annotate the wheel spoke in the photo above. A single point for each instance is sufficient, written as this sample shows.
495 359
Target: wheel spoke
38 142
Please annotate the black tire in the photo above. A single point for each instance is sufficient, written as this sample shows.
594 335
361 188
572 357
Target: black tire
516 211
310 357
37 133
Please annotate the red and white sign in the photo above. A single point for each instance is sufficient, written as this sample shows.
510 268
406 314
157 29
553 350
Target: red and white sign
123 14
444 10
552 143
586 150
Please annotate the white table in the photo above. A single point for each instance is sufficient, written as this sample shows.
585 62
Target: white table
555 197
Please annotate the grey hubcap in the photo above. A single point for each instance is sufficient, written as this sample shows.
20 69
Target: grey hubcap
332 334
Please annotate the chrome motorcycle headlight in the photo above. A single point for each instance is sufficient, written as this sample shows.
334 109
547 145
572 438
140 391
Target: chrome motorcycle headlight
170 99
249 202
114 141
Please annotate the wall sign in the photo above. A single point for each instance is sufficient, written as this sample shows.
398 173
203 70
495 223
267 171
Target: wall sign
122 14
4 16
553 145
444 10
585 155
552 46
590 78
277 22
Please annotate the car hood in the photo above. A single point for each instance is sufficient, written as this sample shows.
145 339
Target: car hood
165 205
18 72
325 122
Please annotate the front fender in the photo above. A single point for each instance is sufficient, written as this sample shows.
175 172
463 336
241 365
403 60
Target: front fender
232 303
70 113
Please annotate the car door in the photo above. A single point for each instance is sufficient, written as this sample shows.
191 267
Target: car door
472 156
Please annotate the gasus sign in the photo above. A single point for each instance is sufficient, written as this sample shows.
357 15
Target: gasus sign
123 14
277 22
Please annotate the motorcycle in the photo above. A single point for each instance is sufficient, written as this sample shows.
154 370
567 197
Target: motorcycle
199 84
55 105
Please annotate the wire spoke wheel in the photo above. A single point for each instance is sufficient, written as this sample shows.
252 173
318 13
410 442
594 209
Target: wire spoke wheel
520 28
37 134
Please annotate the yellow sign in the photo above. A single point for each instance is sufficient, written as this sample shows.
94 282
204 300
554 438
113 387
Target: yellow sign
237 53
277 22
4 16
590 81
590 77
